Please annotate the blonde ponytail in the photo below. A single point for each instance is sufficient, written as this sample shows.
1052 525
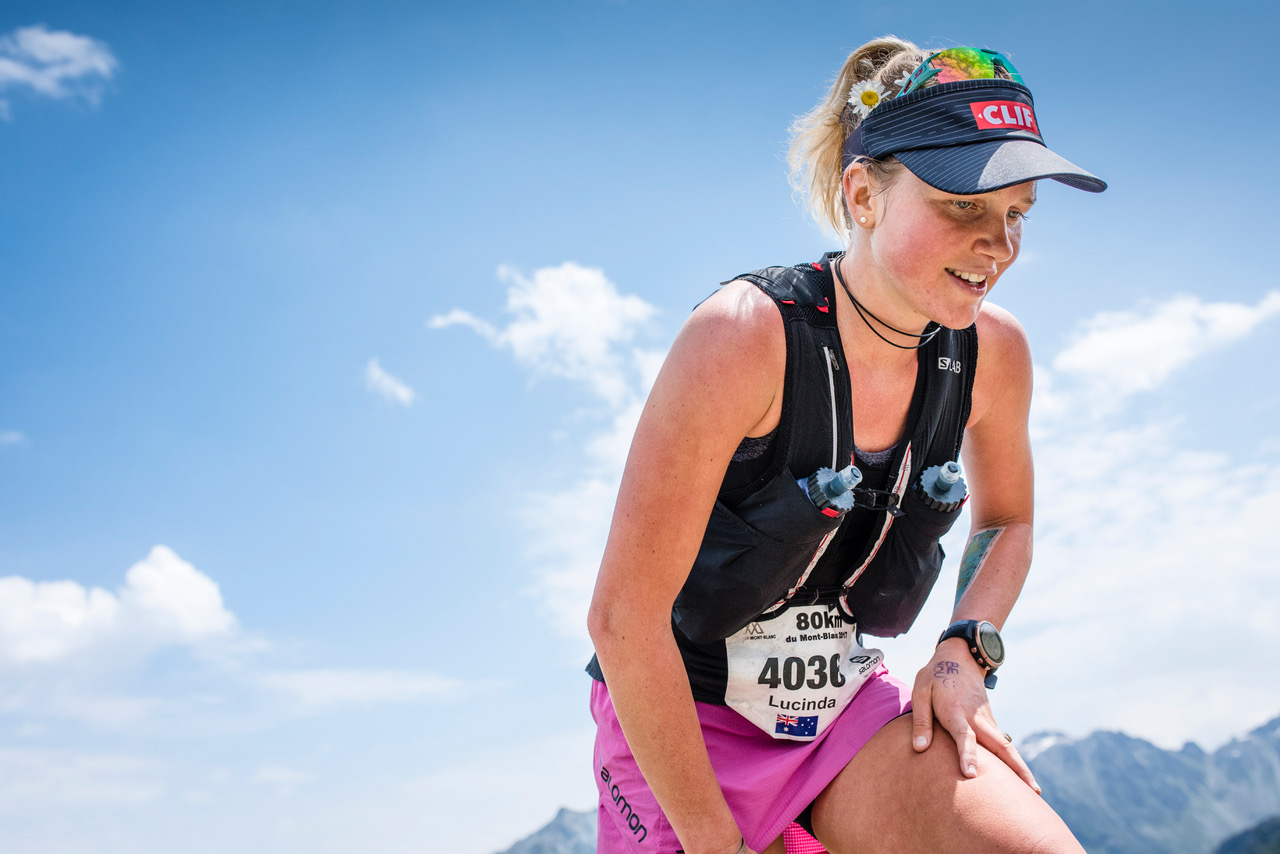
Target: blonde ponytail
817 138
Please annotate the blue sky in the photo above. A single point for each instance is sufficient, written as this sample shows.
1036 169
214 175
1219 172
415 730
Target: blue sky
323 330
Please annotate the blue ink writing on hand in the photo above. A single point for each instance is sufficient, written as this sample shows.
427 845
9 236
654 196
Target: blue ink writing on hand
944 669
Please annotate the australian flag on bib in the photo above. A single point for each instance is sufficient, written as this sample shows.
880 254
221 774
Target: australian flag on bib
804 726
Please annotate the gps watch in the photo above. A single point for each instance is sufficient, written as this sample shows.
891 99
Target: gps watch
984 644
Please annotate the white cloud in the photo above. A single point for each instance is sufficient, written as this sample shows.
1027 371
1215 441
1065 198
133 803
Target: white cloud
568 526
1119 353
12 437
570 321
567 532
380 382
1165 556
55 64
71 653
322 690
164 601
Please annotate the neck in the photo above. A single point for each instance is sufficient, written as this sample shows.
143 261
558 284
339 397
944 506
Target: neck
868 321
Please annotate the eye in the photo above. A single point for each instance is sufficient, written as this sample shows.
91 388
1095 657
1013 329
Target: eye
964 204
1018 215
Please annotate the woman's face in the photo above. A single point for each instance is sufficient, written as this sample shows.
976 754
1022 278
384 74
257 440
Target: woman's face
939 254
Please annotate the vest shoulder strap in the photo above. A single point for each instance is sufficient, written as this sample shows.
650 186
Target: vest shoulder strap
816 424
802 292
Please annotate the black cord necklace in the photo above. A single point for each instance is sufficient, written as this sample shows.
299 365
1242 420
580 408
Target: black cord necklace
864 312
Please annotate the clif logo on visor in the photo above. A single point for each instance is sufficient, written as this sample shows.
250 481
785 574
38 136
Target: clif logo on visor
995 115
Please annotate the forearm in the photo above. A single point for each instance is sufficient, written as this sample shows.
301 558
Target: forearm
655 707
1001 478
992 572
949 689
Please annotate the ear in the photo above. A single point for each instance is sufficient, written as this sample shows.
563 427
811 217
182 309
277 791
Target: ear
858 196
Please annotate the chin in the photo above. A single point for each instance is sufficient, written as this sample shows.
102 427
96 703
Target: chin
960 318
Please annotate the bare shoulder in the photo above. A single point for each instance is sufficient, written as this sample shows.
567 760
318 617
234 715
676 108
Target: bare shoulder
1003 378
743 313
732 353
1000 331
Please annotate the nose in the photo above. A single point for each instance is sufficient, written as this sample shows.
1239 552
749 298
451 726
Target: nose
999 240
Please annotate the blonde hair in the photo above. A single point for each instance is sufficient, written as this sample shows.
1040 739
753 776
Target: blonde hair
817 138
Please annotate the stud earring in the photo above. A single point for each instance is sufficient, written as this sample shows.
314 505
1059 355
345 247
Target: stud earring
862 219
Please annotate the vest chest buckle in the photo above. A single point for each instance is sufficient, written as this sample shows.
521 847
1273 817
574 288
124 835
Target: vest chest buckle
877 499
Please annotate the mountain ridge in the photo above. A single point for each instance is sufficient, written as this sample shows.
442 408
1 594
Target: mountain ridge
1123 795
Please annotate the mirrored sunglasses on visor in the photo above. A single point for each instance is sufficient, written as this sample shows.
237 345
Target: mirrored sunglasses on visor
960 63
974 131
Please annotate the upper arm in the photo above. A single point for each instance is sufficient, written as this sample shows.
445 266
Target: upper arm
997 446
721 381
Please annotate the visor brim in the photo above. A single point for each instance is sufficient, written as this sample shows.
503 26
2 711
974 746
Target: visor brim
983 167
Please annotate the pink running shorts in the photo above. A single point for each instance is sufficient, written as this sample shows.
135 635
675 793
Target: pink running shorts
766 781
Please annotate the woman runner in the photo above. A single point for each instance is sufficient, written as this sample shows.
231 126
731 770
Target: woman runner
733 692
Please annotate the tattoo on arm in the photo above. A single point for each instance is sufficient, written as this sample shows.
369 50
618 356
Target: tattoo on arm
975 555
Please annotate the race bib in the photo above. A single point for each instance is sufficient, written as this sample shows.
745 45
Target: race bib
792 675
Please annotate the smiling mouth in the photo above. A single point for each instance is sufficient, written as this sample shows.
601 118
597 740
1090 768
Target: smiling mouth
975 279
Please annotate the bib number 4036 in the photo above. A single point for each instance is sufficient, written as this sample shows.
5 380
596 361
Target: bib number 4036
794 673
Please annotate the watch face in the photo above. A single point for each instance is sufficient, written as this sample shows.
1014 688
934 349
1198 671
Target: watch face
992 646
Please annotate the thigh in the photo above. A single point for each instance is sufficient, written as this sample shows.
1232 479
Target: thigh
891 799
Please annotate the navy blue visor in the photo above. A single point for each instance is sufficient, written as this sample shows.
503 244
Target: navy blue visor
966 137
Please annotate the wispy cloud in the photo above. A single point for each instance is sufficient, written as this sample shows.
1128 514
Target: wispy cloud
1119 353
382 383
54 64
568 526
53 781
12 437
572 322
322 690
282 779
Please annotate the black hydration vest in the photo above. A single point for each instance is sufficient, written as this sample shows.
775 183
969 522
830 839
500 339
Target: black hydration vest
764 539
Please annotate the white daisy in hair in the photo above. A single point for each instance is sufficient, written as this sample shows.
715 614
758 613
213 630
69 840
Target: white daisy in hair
865 96
901 82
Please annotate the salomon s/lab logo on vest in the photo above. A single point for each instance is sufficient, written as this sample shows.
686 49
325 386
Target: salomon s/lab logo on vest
945 364
998 115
